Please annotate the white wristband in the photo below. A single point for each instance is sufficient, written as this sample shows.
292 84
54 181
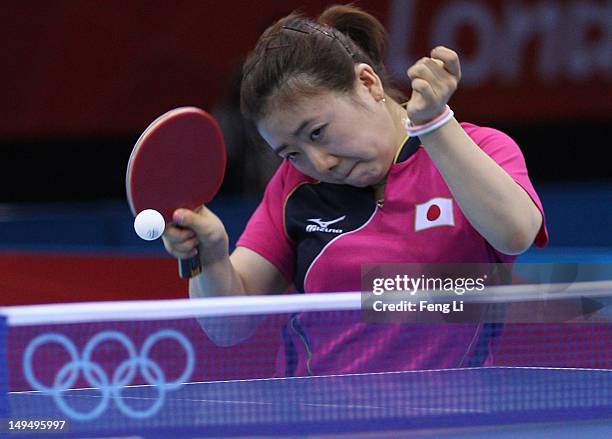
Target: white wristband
419 130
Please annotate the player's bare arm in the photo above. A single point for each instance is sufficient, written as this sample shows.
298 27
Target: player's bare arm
498 208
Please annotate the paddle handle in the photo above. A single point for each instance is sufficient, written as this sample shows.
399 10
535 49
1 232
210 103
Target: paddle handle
189 268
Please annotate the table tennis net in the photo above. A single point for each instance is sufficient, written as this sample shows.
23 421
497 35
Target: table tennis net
230 365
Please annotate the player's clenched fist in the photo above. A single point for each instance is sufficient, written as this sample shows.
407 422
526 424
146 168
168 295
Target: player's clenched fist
434 79
198 232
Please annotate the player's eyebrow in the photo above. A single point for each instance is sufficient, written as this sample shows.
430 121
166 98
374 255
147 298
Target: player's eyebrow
303 125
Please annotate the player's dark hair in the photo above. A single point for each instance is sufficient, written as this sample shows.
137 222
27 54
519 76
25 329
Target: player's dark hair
298 56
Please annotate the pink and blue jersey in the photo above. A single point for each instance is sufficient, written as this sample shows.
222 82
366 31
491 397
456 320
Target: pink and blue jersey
319 235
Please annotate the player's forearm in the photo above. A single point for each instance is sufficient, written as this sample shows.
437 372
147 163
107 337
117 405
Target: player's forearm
218 278
498 208
221 279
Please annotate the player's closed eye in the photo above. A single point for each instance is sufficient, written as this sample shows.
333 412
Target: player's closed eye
292 156
317 134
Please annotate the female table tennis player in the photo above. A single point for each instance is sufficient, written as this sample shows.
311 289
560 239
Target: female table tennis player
354 188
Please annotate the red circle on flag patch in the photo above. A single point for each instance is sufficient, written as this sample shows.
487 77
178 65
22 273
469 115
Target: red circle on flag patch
433 213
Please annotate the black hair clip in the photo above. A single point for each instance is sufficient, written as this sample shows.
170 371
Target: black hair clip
329 34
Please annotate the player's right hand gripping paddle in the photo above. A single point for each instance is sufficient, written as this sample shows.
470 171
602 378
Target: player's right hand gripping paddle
178 162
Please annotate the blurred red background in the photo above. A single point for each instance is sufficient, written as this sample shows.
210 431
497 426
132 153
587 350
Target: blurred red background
109 67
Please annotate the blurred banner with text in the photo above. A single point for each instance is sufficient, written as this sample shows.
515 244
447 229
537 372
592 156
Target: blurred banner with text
109 67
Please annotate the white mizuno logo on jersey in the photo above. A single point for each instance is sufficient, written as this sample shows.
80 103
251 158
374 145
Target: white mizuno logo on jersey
323 226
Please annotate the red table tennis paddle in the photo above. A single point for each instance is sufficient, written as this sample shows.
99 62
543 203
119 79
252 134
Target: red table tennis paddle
178 162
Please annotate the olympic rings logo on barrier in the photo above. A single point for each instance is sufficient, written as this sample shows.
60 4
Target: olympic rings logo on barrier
67 376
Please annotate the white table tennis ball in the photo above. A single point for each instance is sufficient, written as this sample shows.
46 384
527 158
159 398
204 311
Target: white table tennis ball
149 224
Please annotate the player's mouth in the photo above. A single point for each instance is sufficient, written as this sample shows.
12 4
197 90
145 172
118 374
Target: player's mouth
350 171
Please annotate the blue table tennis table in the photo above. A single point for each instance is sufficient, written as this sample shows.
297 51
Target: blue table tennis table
474 402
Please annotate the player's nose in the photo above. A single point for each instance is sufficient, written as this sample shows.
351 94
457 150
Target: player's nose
322 161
